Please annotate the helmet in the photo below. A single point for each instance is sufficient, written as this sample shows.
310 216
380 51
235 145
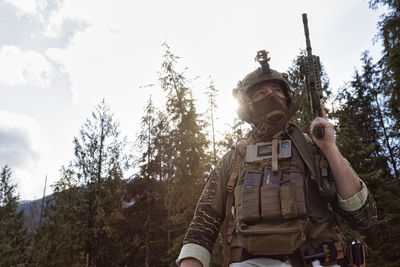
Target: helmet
262 74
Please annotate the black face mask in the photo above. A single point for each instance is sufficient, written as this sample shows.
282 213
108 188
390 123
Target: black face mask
270 109
267 113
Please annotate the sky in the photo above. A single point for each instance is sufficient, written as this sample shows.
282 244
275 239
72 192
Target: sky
59 59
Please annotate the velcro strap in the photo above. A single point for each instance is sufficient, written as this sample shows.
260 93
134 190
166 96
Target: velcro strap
275 167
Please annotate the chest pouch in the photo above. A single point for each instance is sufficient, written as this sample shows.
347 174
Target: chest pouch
288 200
270 203
250 202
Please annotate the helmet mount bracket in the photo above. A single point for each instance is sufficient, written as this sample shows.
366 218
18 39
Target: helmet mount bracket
263 59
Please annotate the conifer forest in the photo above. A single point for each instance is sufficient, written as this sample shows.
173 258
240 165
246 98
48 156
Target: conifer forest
99 216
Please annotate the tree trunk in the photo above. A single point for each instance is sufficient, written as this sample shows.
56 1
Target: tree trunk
147 232
169 213
147 223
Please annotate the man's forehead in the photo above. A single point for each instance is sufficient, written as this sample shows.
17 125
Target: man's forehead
261 85
267 83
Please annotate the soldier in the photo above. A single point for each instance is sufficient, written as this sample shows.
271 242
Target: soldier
275 191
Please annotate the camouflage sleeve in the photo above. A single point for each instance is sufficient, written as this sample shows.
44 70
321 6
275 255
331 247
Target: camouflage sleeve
359 213
210 211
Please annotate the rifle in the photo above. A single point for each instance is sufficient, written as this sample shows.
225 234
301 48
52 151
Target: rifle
311 70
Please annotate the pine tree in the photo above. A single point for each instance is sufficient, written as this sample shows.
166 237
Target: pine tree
83 218
147 190
13 236
147 124
99 162
211 93
190 161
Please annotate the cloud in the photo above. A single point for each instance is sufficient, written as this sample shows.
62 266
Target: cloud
24 6
37 25
63 28
18 140
18 67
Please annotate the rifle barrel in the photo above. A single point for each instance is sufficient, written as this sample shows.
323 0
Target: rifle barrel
307 33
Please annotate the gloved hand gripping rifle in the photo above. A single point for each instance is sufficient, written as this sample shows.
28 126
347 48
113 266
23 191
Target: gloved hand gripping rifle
311 70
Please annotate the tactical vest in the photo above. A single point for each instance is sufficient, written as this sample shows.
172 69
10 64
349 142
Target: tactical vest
277 212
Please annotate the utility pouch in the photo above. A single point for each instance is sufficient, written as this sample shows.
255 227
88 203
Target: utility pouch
288 200
271 238
250 201
270 200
